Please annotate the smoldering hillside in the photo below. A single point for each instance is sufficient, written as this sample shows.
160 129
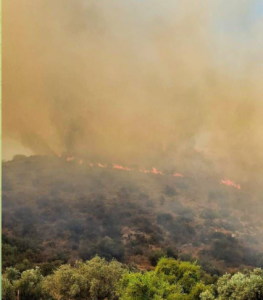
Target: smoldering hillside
172 85
57 211
135 80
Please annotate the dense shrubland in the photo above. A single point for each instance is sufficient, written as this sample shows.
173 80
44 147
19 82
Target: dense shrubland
98 279
57 212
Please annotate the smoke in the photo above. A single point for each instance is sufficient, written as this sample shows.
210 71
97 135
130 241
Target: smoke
135 80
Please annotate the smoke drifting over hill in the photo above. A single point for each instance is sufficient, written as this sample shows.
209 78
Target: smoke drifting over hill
135 80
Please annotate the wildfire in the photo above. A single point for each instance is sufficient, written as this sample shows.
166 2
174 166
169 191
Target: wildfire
119 167
145 171
154 171
230 183
115 166
70 158
177 175
102 166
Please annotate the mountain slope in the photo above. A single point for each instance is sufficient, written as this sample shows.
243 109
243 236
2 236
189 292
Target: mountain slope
57 209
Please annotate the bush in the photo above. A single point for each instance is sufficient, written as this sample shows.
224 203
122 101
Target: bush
163 218
170 191
228 249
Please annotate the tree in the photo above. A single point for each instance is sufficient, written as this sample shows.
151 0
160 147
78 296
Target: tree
147 286
106 247
96 279
66 283
109 248
30 285
12 274
207 295
171 280
10 254
155 256
185 273
8 291
240 286
197 290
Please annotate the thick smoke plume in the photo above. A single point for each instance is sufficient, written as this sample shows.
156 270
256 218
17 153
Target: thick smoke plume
135 80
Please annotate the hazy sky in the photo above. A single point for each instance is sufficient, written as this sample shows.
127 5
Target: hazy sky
134 79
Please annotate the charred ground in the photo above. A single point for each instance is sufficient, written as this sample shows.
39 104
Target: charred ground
57 211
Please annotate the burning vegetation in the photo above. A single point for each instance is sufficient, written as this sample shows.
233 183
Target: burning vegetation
134 86
152 170
124 214
140 121
230 183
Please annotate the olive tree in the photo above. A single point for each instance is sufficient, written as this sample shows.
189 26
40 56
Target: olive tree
248 286
96 279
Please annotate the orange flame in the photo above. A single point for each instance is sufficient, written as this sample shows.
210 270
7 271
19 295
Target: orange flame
102 166
115 166
154 171
144 171
177 175
70 158
230 183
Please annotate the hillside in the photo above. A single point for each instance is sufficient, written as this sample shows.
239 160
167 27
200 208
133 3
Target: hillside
59 209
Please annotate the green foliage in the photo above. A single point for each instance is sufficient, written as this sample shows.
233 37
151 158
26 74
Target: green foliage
24 265
147 286
9 255
207 295
197 290
184 273
66 283
172 279
248 286
106 247
8 290
95 279
99 279
241 286
49 268
155 256
30 285
12 274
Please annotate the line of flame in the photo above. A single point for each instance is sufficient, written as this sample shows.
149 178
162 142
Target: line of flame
230 183
153 171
